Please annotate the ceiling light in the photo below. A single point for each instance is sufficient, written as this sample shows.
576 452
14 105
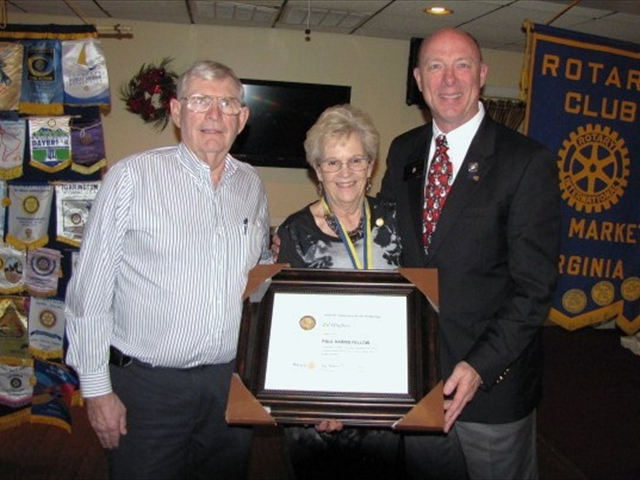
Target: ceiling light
438 11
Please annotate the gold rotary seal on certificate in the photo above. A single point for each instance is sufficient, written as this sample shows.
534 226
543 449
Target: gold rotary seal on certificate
307 322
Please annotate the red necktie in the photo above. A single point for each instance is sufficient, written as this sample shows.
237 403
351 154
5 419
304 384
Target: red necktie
439 180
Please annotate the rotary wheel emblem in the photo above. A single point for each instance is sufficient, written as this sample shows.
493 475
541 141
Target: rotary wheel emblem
594 166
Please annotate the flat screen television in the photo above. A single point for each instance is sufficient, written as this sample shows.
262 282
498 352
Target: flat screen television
281 114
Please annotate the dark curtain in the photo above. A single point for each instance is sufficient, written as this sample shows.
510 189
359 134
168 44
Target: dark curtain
506 111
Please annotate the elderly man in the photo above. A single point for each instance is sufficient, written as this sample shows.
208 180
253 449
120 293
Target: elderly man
154 304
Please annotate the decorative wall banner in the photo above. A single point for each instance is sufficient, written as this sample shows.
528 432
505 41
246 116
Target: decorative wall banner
42 272
46 327
42 87
50 143
73 202
11 56
29 210
582 103
87 145
14 341
68 61
12 267
13 134
84 70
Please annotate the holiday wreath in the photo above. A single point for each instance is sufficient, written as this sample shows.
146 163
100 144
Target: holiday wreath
149 93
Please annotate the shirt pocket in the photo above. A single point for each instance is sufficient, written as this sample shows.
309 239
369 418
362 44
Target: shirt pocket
251 238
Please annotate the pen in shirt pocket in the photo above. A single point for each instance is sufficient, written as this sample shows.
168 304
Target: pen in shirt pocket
245 222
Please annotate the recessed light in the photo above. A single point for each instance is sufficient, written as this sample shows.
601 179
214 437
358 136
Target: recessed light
438 11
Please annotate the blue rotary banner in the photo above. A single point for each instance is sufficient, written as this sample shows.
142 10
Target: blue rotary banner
582 102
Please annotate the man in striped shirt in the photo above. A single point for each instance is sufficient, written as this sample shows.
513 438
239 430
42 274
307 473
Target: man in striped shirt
154 304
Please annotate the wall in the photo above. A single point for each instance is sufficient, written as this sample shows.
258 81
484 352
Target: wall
374 68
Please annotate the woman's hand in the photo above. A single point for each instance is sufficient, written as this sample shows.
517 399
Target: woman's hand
329 426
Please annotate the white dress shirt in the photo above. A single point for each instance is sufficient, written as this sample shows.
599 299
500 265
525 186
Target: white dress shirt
458 140
164 261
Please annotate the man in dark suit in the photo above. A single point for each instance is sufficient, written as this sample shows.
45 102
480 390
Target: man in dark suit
496 250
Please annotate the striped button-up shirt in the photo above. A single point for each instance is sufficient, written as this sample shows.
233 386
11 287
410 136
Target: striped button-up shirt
164 261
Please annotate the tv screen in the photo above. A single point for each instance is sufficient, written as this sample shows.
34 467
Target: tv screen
281 114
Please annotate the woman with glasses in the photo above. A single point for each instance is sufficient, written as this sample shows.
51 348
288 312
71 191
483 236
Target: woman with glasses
343 229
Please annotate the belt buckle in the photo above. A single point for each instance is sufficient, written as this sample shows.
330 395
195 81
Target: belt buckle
119 359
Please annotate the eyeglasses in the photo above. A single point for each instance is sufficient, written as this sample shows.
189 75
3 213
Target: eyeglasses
355 164
202 103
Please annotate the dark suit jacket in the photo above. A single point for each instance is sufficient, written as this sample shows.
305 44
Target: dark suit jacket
496 250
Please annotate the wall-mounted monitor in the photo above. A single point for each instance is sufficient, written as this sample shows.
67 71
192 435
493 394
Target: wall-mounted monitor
414 96
281 114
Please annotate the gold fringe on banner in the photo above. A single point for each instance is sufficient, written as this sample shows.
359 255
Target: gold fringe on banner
526 64
16 418
46 35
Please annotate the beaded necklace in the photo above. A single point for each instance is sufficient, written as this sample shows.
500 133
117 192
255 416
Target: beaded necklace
355 234
365 229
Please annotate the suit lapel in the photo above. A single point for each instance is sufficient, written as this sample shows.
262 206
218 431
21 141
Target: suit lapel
477 163
414 174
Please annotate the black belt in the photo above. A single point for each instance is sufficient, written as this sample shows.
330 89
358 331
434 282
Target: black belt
119 359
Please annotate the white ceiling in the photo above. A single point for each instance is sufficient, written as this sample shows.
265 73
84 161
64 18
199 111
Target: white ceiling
497 24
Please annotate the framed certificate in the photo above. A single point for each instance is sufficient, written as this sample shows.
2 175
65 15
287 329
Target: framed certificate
357 346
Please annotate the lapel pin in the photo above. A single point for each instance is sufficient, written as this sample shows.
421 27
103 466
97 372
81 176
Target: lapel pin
472 171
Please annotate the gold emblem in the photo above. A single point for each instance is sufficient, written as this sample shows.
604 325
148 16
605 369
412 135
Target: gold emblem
574 300
307 322
31 204
86 138
379 222
48 318
602 293
630 289
594 167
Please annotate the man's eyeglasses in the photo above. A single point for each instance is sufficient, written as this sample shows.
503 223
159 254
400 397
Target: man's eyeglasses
202 103
355 164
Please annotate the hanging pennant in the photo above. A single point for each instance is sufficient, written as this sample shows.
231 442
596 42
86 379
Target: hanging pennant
12 140
16 393
46 327
12 266
10 75
87 145
16 385
73 202
29 212
56 389
42 272
14 338
3 207
84 70
42 86
50 142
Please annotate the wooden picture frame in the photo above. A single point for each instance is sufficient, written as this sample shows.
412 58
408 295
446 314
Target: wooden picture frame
350 313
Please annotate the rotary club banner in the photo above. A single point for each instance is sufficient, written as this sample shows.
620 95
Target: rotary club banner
42 87
582 102
29 211
46 327
42 272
